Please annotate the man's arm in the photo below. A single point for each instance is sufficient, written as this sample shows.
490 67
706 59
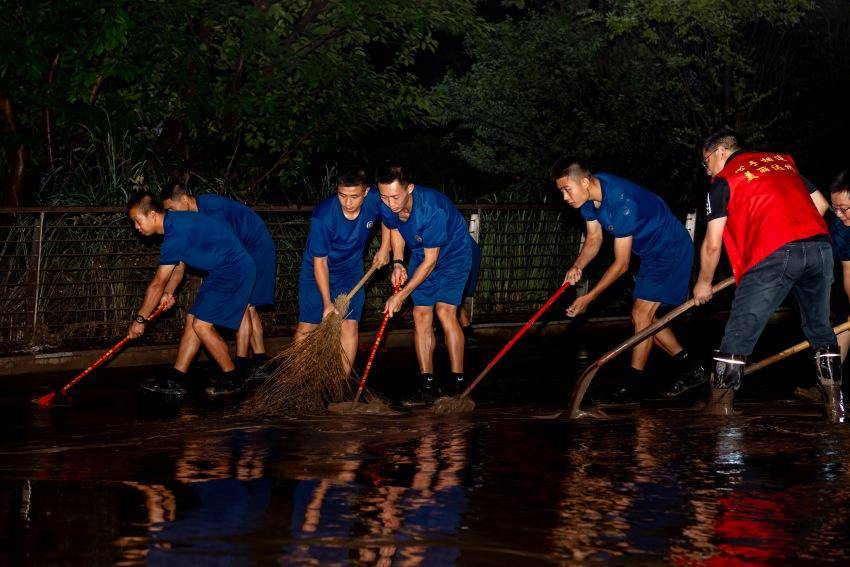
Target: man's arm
152 298
820 202
167 300
845 270
591 247
382 256
323 281
622 256
399 275
422 271
709 257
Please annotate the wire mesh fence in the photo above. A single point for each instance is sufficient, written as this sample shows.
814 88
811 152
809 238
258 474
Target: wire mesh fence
74 276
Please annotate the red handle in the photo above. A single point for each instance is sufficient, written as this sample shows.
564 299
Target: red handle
374 351
516 337
107 355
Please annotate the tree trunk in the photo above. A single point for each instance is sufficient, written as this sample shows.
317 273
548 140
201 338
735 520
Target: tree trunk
17 159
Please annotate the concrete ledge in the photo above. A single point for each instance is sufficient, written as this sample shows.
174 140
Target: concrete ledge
155 355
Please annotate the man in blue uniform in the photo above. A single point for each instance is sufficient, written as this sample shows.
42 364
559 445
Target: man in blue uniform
252 232
333 258
441 255
205 244
641 222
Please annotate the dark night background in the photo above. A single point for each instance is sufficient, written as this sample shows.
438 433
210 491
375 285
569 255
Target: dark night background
263 100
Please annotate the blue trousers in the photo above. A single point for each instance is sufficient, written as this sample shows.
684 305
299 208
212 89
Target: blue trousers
803 268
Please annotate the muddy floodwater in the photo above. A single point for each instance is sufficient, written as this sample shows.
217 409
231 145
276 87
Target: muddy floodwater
117 480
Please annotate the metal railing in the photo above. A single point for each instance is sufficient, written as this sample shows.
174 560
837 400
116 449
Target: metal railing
74 276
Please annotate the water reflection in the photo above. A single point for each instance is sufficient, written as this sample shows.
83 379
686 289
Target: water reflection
496 487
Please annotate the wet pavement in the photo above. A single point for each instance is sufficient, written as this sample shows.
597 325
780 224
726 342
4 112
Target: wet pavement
116 480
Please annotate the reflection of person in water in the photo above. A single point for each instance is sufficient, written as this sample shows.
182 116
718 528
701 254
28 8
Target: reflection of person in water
222 493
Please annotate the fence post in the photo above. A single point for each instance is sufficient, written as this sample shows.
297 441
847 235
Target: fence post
35 254
475 233
691 223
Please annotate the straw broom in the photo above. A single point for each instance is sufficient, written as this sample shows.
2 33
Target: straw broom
309 374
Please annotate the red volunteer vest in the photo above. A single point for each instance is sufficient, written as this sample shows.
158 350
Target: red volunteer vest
769 206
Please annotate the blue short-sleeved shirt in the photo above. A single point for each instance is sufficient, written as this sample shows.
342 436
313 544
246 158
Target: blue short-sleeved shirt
203 243
434 222
840 236
248 226
627 209
339 239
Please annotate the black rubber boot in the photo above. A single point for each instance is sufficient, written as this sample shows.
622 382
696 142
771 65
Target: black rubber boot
225 384
170 385
692 375
426 394
725 379
828 368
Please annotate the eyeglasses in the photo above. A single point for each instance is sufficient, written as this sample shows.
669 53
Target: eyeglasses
840 210
705 161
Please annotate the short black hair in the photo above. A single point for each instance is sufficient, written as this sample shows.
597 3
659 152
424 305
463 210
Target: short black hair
392 170
569 166
174 192
841 183
725 137
146 202
352 176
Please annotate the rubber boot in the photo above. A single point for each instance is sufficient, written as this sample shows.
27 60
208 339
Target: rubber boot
725 379
828 368
693 375
427 392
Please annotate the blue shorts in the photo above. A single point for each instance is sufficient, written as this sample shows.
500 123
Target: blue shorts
265 260
472 279
223 298
310 302
445 284
666 279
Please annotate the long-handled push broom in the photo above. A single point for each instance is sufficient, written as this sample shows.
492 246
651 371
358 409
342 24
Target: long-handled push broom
48 400
309 374
462 403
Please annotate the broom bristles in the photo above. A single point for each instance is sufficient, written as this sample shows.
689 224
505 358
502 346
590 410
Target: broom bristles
307 375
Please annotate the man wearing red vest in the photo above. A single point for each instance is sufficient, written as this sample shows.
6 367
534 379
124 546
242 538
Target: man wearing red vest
770 219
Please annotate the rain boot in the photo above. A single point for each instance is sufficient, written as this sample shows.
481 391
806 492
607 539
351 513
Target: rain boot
828 367
692 376
427 392
725 379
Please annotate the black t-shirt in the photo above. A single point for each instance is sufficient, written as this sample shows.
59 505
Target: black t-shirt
717 204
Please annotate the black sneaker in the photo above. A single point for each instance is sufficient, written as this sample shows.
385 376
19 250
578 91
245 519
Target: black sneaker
694 377
260 368
426 394
628 393
226 384
164 386
453 385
